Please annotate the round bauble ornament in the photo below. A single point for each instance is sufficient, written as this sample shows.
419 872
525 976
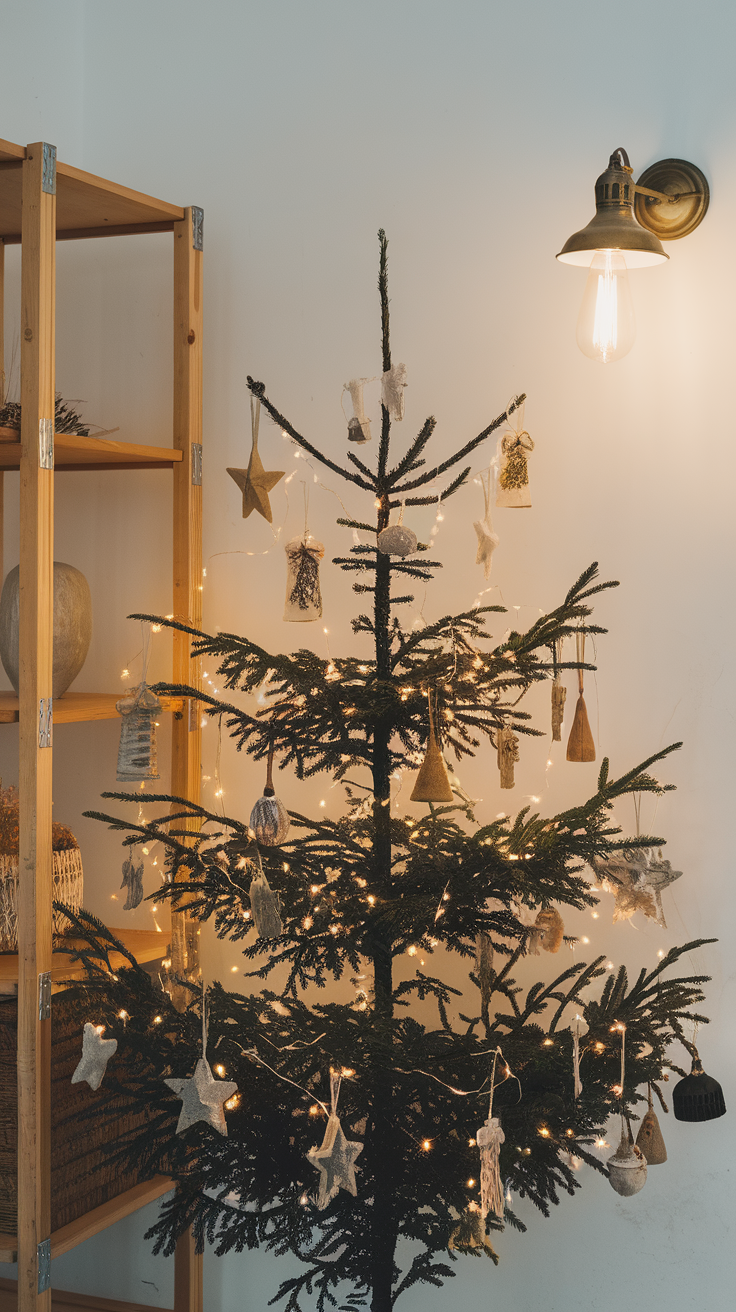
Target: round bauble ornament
627 1169
396 540
72 625
698 1097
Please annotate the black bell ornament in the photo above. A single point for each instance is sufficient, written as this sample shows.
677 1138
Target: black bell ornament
698 1097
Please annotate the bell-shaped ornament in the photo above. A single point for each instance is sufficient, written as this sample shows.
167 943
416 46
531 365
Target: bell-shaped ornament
432 784
698 1097
627 1168
269 818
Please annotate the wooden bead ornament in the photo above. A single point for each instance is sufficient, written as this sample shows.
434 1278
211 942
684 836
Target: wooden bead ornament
650 1139
433 782
580 745
513 479
269 818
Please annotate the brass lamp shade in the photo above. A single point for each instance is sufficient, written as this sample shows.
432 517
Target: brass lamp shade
614 226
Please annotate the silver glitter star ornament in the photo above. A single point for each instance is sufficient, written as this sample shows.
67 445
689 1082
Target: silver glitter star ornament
96 1053
202 1098
335 1160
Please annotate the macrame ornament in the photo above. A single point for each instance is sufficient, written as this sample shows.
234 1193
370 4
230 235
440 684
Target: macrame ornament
303 594
698 1097
393 383
335 1159
650 1139
432 784
264 905
627 1168
133 881
137 755
507 751
269 818
580 745
359 427
547 932
488 539
255 482
559 695
489 1139
202 1096
397 540
513 478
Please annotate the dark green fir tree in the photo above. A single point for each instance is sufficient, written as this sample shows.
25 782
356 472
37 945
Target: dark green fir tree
356 894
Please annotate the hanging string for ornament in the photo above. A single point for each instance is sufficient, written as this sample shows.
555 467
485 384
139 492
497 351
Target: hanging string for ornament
559 694
488 539
577 1082
580 745
513 478
303 593
627 1168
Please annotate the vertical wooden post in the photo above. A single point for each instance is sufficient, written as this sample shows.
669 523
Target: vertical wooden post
186 733
36 640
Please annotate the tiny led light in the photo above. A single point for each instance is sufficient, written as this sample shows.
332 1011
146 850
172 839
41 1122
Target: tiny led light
157 1020
471 1143
544 1132
232 1103
548 1043
123 1015
412 950
471 1184
314 1110
426 1145
233 970
220 1070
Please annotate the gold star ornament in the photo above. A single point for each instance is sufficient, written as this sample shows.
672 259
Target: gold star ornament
255 482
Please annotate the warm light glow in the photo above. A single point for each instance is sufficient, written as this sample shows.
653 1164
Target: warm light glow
314 1110
606 325
220 1070
123 1015
544 1132
157 1020
548 1043
233 970
232 1103
412 951
426 1145
471 1143
471 1184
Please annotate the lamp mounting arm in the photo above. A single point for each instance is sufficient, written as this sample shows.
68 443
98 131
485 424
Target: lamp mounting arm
651 194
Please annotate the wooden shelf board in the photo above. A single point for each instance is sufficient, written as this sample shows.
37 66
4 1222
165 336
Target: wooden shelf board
78 707
73 452
65 1302
145 944
86 205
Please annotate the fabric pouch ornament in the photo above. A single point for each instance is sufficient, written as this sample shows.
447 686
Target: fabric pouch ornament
627 1168
335 1159
507 751
432 784
650 1139
269 818
359 427
513 478
303 594
393 383
488 539
580 745
698 1097
264 905
137 754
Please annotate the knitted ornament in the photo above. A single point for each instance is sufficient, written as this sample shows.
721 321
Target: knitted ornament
580 745
698 1097
433 782
650 1138
627 1168
269 818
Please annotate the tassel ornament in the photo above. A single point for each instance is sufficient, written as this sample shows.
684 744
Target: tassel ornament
489 1139
580 744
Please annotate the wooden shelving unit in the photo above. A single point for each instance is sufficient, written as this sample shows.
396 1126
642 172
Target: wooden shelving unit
43 201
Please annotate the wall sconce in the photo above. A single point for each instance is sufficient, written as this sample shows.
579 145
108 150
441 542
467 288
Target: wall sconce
631 221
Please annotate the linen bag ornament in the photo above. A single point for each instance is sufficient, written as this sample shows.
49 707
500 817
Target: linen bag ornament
650 1139
269 818
433 782
580 744
513 478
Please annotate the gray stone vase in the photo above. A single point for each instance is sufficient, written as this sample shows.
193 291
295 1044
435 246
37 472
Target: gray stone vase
72 625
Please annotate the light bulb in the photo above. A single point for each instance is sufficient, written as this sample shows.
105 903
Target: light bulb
606 323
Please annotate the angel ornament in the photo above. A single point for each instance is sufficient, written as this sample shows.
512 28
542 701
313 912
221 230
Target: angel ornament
488 539
513 479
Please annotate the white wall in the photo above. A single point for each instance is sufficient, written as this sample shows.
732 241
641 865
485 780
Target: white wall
473 132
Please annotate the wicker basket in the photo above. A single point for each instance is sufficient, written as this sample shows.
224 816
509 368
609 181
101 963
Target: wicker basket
68 882
82 1175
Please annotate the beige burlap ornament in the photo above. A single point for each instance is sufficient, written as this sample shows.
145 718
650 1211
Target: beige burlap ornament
433 782
580 744
507 750
650 1138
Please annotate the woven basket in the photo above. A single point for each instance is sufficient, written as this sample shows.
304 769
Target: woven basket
82 1175
68 882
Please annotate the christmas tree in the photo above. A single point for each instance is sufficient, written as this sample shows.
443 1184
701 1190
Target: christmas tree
403 1157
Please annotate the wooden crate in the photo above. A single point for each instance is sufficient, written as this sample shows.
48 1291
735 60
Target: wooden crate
82 1175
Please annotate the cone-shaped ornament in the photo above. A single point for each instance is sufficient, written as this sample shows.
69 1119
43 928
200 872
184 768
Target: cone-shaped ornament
433 782
698 1097
580 745
651 1141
